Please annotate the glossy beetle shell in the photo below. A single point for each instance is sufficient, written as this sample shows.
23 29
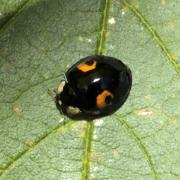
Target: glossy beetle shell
96 86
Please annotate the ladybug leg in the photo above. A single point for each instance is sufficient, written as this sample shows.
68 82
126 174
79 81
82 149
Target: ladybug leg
52 93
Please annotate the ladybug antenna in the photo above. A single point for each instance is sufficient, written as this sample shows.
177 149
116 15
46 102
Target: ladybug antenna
65 78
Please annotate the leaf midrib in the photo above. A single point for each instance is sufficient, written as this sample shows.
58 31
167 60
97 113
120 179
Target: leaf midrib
89 129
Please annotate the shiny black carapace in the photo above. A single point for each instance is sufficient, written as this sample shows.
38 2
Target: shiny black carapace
94 87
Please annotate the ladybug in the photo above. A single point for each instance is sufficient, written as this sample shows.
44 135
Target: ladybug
94 87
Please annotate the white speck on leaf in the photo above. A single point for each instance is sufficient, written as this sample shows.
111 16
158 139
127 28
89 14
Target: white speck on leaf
145 112
61 120
95 136
123 12
142 28
95 168
111 20
99 122
89 40
111 46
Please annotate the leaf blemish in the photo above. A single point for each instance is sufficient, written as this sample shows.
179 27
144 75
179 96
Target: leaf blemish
94 136
142 28
17 110
123 12
99 122
145 112
80 38
171 24
89 40
29 143
163 2
111 20
115 153
111 46
61 120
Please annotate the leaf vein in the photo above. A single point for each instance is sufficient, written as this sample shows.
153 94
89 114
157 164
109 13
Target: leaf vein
13 14
33 145
87 141
139 142
155 34
103 28
88 137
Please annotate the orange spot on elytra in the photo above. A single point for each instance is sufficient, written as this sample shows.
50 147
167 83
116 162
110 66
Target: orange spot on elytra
100 99
85 67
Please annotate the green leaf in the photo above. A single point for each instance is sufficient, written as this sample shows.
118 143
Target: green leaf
40 40
9 8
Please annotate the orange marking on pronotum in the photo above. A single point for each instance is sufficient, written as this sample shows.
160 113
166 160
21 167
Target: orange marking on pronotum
101 98
85 67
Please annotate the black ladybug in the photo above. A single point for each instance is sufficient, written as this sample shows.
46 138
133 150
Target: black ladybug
95 86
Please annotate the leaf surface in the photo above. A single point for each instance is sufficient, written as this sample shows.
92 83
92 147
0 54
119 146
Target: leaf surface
40 41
